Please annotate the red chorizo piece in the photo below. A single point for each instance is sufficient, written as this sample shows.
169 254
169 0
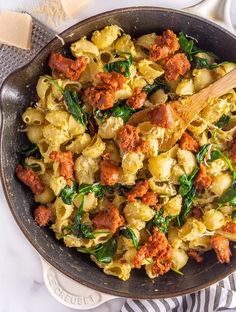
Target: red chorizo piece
193 254
202 180
130 141
187 142
157 248
233 150
197 212
230 227
150 198
164 45
220 245
110 219
175 66
71 69
109 172
138 99
111 81
100 98
162 116
42 215
139 190
30 178
66 163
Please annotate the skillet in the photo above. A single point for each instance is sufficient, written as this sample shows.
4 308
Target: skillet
18 91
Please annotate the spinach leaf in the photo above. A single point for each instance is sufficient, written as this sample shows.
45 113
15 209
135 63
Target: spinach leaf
202 153
29 150
187 203
158 84
74 106
229 196
215 155
103 252
188 46
35 167
129 233
124 111
177 271
223 121
69 193
121 67
119 110
203 63
162 223
186 182
97 188
55 83
233 216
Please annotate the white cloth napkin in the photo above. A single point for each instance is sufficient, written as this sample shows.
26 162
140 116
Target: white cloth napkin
218 297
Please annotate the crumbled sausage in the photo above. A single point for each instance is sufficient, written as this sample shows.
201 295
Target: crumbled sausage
100 98
202 180
111 81
150 198
138 99
164 45
220 245
110 219
187 142
129 140
31 179
197 212
230 227
71 69
162 116
109 172
157 248
194 254
175 66
139 190
66 163
42 215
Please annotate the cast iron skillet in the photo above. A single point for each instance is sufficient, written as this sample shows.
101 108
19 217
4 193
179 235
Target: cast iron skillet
15 97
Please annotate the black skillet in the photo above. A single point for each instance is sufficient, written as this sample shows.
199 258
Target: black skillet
15 97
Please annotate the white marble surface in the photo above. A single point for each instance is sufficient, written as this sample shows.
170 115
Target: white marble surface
21 283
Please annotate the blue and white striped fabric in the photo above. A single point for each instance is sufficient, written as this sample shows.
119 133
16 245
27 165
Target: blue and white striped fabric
218 297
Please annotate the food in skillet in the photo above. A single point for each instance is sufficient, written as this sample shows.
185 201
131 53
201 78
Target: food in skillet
104 186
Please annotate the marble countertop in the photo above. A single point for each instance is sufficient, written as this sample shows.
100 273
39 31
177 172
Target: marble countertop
22 288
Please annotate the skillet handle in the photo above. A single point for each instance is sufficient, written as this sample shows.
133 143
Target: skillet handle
217 11
70 293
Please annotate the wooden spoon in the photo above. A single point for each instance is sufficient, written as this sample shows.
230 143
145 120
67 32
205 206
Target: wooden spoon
187 109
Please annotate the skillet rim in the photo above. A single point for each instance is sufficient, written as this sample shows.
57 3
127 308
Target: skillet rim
36 245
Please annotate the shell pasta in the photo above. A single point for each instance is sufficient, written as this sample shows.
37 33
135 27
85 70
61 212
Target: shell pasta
104 186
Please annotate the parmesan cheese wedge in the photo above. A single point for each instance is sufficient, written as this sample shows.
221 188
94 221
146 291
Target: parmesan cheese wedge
73 7
16 29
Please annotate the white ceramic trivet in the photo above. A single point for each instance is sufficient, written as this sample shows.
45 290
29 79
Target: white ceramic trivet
61 287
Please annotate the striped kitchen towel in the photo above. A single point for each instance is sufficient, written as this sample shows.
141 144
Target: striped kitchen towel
218 297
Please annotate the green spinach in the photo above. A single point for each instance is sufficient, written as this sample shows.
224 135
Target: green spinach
29 150
157 84
223 121
129 233
69 193
121 67
202 153
159 221
186 182
119 110
233 216
188 46
229 196
74 106
186 208
203 63
103 252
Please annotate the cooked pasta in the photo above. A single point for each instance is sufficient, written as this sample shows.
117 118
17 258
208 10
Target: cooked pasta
104 186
